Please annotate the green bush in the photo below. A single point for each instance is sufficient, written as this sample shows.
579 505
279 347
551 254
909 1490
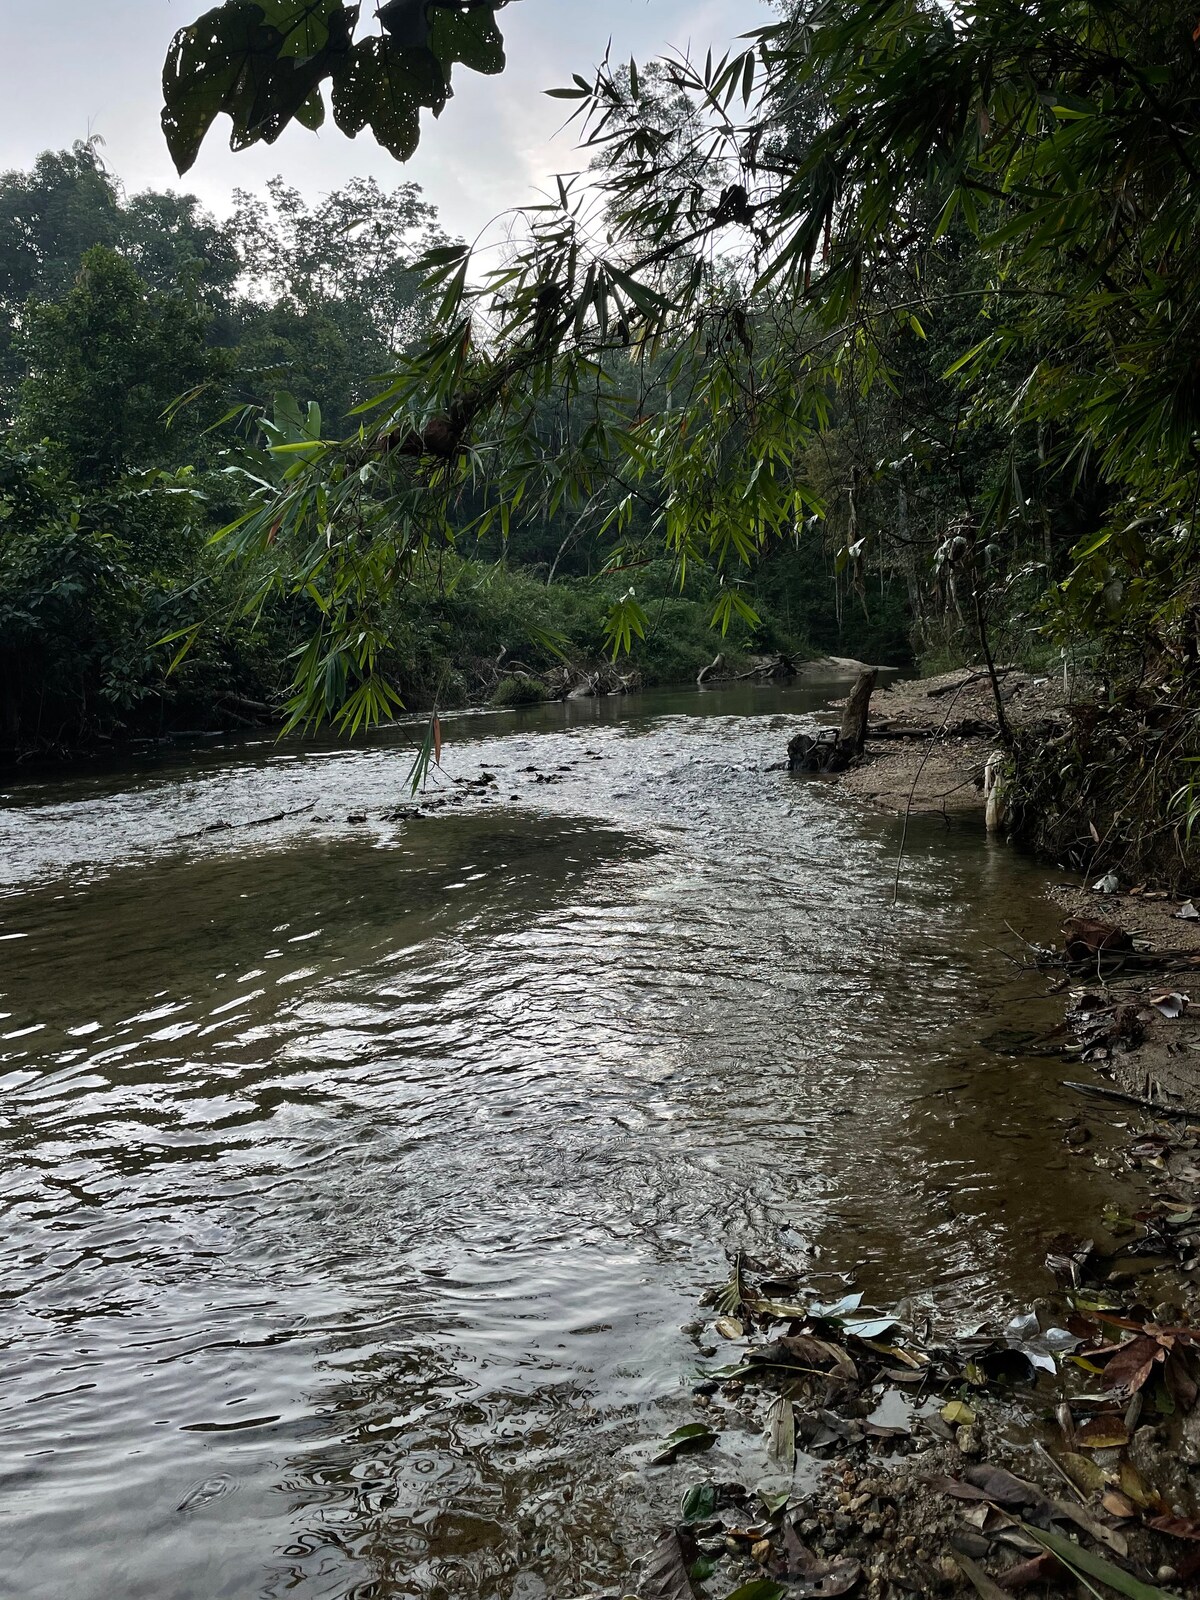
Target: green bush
519 691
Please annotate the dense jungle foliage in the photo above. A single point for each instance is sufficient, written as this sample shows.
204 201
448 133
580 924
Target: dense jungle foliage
899 288
148 355
920 276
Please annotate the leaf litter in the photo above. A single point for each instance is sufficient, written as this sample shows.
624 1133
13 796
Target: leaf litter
918 1504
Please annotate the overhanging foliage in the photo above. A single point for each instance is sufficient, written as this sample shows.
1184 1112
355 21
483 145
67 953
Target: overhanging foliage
265 65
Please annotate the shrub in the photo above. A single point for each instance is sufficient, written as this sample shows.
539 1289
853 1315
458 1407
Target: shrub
521 691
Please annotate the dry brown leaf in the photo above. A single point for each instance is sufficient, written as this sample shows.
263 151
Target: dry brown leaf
1103 1433
1176 1527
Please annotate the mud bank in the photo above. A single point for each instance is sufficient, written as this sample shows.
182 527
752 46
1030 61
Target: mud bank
1137 1014
929 739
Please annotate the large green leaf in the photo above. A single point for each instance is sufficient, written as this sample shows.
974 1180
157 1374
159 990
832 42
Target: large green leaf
262 65
471 37
384 89
259 64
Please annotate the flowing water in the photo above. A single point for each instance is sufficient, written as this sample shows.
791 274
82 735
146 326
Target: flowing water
360 1179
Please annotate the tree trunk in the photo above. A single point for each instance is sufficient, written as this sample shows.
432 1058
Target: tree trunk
830 752
858 708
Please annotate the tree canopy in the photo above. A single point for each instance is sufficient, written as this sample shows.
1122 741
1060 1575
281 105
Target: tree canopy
991 206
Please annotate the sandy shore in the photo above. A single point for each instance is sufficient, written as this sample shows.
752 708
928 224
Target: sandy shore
929 738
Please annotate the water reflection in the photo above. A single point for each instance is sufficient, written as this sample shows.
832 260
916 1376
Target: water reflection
361 1180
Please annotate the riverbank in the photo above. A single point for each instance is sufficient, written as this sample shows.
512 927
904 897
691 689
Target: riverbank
996 1491
929 739
928 744
1135 965
1056 1450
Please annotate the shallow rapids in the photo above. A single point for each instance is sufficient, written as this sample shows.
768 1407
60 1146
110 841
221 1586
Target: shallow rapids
361 1178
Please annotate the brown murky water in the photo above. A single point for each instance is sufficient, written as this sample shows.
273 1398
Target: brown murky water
360 1180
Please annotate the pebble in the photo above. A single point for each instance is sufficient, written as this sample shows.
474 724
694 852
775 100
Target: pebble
831 1543
968 1442
761 1551
860 1502
1166 1575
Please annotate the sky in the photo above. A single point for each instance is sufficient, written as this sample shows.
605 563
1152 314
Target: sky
71 68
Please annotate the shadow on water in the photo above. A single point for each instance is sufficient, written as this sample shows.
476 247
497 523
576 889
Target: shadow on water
361 1179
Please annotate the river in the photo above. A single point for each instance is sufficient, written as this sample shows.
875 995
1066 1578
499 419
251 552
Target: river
361 1179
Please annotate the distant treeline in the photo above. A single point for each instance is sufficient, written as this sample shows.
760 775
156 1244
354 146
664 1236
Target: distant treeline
139 335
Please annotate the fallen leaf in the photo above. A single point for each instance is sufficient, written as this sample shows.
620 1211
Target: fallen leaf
842 1578
1187 912
758 1589
960 1491
1083 1472
665 1576
807 1348
1134 1488
1176 1527
781 1431
1133 1363
773 1504
700 1502
1115 1503
958 1414
1094 1566
1102 1534
1103 1433
692 1436
983 1585
869 1327
1004 1488
730 1328
816 1578
841 1308
1039 1569
1170 1003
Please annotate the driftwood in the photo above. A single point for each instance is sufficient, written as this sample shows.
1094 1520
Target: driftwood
962 683
834 750
1159 1107
780 666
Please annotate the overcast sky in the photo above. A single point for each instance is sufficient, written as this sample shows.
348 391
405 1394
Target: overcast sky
74 67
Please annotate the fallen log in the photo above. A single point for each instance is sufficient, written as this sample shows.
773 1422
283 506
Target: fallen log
963 683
